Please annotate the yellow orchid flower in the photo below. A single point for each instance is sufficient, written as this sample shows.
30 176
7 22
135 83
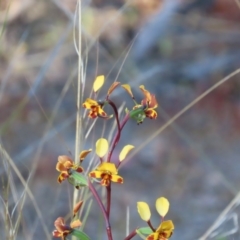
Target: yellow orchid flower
147 106
95 108
65 164
163 232
107 172
165 229
62 230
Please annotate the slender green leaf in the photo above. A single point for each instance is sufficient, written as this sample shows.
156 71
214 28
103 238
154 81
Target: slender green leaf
144 231
77 179
80 235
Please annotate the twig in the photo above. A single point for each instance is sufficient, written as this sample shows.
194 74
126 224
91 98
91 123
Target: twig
79 95
217 222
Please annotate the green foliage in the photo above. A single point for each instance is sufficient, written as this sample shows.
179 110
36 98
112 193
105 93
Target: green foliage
138 114
80 235
142 232
77 179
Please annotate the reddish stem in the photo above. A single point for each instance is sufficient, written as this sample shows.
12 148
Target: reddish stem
96 196
108 200
150 225
116 114
117 137
118 125
131 235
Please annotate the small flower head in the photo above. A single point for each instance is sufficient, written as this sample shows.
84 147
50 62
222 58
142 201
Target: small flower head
149 99
163 232
95 108
65 164
147 106
62 230
107 172
165 229
150 103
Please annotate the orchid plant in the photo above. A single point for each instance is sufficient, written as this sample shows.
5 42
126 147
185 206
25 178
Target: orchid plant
106 172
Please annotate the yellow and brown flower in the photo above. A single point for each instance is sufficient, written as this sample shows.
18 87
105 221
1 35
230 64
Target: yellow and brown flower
107 172
165 229
147 106
62 230
149 102
95 108
65 164
163 232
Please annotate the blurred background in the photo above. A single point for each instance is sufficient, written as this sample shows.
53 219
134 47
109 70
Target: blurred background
178 49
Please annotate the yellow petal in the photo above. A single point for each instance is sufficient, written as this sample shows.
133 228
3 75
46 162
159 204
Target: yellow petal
83 154
95 174
101 147
102 113
113 86
116 178
128 89
89 103
75 223
64 158
63 176
145 92
59 222
124 152
107 167
153 103
162 206
144 211
167 227
60 167
98 83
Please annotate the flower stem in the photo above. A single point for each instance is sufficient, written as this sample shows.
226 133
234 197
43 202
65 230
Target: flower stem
108 200
95 194
116 114
151 226
131 235
117 137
